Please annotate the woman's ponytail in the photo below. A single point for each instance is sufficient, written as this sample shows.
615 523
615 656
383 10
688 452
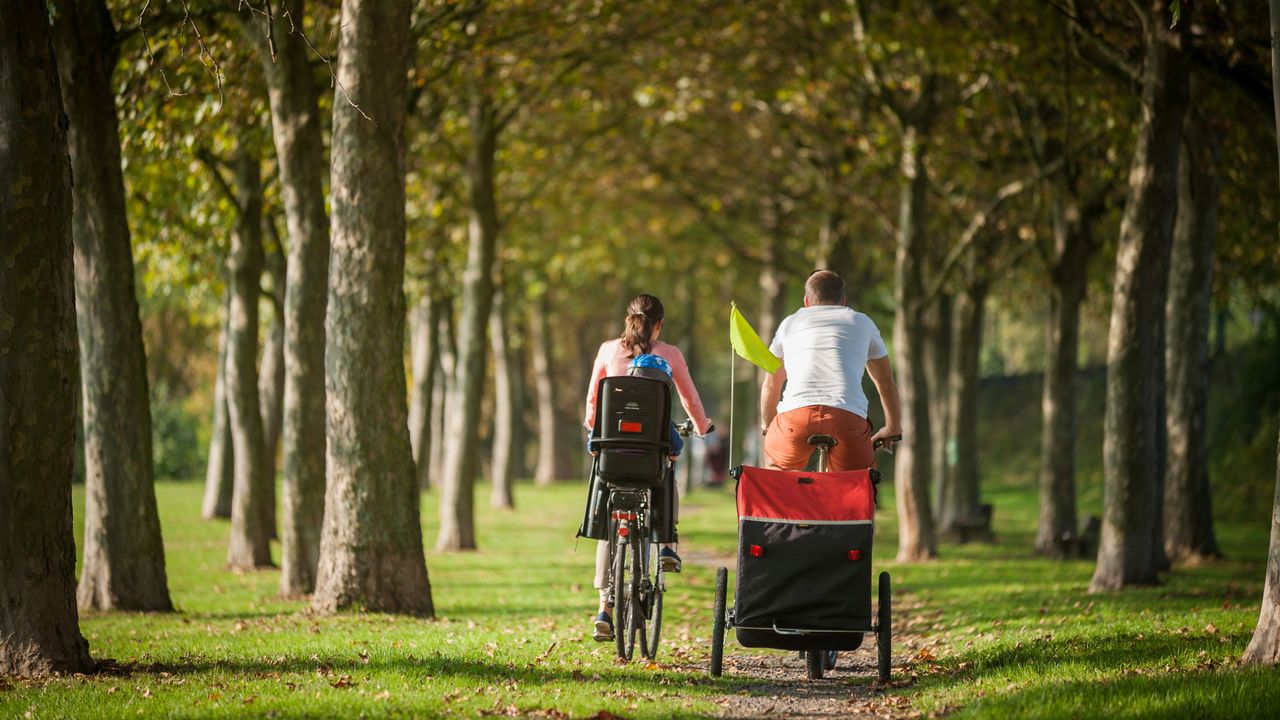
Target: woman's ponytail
644 313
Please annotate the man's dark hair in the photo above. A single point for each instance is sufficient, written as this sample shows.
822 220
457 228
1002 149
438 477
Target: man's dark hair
824 287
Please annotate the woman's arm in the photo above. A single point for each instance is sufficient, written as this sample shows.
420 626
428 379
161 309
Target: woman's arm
597 372
686 390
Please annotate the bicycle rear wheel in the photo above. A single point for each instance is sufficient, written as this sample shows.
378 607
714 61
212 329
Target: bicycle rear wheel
653 602
623 610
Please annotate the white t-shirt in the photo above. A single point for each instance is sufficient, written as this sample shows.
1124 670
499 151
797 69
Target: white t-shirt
826 349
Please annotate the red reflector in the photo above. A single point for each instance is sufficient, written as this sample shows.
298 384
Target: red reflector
855 555
756 551
624 531
630 426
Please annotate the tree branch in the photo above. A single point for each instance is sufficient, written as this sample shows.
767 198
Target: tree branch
214 164
978 223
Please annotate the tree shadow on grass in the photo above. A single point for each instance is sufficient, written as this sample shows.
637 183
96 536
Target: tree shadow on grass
431 665
1220 693
1120 650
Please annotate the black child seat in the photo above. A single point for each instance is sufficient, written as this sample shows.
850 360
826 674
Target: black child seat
632 430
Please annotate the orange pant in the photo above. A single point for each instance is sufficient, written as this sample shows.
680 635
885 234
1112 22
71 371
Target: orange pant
786 444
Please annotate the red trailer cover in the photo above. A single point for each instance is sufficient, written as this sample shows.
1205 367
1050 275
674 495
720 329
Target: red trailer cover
781 495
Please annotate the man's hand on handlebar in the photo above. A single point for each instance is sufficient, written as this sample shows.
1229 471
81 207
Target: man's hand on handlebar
886 437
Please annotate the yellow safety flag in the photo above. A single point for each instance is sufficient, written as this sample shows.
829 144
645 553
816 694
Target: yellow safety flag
748 344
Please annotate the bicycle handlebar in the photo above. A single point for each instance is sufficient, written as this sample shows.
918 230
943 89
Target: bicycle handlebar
880 442
685 429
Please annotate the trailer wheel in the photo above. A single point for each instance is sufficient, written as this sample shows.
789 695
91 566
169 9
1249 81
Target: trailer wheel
717 626
815 660
884 627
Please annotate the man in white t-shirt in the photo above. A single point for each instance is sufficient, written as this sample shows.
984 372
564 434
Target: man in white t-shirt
825 348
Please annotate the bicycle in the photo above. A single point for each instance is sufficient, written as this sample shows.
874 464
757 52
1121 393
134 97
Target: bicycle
636 584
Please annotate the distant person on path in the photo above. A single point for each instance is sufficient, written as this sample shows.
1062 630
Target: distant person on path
825 348
639 337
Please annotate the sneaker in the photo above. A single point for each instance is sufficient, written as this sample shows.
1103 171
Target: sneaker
603 628
668 560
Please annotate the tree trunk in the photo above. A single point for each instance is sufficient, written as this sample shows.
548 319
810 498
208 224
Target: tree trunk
544 385
39 624
1069 278
295 129
457 499
123 567
371 550
1135 357
504 412
959 504
271 378
1264 648
937 365
443 389
916 538
425 341
1188 509
250 546
220 473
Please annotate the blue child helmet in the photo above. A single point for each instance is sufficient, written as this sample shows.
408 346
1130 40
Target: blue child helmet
648 365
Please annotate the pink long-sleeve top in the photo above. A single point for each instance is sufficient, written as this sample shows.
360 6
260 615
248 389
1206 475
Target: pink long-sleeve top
612 360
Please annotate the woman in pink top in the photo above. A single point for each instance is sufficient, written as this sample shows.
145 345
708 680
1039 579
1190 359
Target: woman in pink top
639 337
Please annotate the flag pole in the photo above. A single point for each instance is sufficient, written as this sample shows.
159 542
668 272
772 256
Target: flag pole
732 387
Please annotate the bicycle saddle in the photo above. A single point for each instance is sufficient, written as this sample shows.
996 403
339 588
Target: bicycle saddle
822 439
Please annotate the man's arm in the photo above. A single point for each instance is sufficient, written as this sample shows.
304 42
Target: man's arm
881 373
770 393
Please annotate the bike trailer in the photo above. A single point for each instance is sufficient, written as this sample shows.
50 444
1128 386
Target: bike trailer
804 558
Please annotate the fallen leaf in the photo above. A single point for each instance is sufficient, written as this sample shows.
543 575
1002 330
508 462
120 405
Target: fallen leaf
1211 629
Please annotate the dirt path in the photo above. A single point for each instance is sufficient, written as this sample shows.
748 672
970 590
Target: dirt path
849 691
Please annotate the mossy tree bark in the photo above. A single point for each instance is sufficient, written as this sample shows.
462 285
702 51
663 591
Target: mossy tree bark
271 374
1134 426
457 499
443 390
1264 648
1188 508
937 365
917 539
1073 245
371 547
220 470
425 358
959 504
545 471
502 493
39 623
250 545
296 132
123 567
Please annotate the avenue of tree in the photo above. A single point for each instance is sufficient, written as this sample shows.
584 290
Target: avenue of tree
409 226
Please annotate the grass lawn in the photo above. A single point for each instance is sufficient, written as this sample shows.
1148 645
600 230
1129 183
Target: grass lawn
986 631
